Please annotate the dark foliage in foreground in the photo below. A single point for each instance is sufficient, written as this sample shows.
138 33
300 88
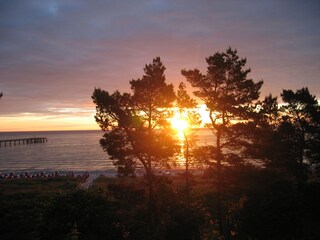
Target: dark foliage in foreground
259 204
94 216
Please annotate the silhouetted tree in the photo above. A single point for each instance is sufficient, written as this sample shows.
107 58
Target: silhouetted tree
264 144
287 137
136 126
188 113
116 117
269 112
230 96
301 118
1 94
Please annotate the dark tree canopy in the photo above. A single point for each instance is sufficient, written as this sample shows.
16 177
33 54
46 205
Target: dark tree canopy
230 97
151 91
287 137
301 117
269 111
228 93
226 89
184 101
301 107
136 127
130 120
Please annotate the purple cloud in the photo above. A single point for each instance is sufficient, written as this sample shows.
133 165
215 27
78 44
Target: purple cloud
53 53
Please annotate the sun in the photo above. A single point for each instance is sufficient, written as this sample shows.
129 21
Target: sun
179 123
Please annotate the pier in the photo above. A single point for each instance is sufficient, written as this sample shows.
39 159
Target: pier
22 141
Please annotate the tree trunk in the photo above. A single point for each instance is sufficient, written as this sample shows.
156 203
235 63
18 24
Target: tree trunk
301 177
219 181
152 206
187 166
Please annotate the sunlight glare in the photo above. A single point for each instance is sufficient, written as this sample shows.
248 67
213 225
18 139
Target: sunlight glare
179 124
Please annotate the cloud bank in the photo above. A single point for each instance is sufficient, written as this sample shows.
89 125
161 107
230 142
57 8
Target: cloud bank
53 53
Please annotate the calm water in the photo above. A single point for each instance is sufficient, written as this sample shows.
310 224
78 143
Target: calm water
64 151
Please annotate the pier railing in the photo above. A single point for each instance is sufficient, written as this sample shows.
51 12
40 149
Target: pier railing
20 141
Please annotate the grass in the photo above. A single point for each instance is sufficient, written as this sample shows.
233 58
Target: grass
200 185
38 185
52 186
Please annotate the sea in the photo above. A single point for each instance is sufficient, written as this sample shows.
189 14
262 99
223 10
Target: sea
65 151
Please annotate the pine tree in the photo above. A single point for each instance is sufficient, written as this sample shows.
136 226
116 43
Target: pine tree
301 115
188 113
230 97
137 129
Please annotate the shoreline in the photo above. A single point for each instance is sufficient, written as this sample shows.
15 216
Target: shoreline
24 174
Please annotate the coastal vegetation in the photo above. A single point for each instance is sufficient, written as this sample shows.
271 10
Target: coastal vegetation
258 203
259 179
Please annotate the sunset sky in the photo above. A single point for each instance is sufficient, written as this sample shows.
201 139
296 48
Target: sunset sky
53 53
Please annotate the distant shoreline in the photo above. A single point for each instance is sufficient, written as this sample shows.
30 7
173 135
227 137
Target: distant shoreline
50 131
63 131
108 172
